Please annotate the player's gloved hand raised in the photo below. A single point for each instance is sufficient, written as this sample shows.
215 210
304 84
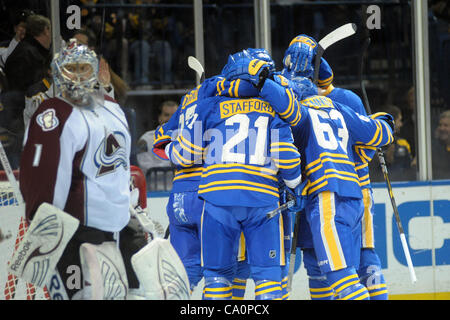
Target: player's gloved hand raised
389 119
299 56
243 66
296 194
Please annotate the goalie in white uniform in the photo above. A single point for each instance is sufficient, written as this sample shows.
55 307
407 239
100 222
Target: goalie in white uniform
76 157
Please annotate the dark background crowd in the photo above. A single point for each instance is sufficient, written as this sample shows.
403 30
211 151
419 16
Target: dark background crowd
146 44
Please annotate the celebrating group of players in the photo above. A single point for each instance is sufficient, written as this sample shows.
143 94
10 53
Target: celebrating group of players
243 142
247 140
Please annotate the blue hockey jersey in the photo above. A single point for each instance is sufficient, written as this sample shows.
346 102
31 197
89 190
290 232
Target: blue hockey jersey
363 154
325 136
243 146
186 178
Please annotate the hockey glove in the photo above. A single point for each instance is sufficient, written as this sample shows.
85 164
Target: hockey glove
298 58
161 140
296 193
385 117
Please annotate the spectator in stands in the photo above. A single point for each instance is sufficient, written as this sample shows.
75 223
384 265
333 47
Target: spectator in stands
145 157
138 35
113 84
29 63
161 48
408 130
441 147
19 24
30 60
398 154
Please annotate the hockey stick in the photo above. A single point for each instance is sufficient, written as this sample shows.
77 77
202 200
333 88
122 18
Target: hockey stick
10 175
338 34
195 65
278 210
380 154
293 252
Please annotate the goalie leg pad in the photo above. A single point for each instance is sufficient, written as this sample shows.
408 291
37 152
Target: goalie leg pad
103 272
43 244
161 272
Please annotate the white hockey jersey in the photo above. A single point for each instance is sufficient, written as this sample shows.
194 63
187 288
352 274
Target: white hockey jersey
77 158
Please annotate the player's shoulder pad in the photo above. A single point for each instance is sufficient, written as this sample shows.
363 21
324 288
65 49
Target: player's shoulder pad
52 113
318 102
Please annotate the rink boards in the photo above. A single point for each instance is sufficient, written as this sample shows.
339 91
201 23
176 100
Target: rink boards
424 209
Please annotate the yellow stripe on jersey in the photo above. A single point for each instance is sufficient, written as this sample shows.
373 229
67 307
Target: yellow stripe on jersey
375 136
327 154
230 165
187 175
367 221
238 187
241 253
220 86
280 166
328 231
239 182
181 161
189 144
240 170
361 166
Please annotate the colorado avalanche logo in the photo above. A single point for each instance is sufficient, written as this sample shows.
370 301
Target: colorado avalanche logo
47 120
111 154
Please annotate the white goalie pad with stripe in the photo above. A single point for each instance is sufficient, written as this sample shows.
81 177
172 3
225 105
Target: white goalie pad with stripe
43 244
104 272
161 272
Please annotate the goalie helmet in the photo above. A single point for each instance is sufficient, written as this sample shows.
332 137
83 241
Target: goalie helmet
75 70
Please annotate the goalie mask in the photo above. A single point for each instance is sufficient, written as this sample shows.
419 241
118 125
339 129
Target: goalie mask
75 70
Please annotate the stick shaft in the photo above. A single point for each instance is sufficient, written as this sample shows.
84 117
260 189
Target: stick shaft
293 252
386 174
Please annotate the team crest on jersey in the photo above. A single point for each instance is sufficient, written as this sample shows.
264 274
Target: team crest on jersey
47 120
111 154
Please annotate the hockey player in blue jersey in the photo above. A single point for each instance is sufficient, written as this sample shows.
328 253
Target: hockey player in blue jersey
325 133
184 208
243 145
302 55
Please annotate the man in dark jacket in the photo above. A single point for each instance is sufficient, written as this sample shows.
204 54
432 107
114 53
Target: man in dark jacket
28 64
30 60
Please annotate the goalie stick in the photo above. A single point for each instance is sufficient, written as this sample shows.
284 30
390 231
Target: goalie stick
338 34
381 159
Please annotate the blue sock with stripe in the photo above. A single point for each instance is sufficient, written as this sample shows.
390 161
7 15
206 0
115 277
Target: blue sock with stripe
217 288
267 290
375 284
319 289
238 287
346 285
284 291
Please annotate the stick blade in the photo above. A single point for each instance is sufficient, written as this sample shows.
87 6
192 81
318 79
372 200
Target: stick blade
338 34
195 65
